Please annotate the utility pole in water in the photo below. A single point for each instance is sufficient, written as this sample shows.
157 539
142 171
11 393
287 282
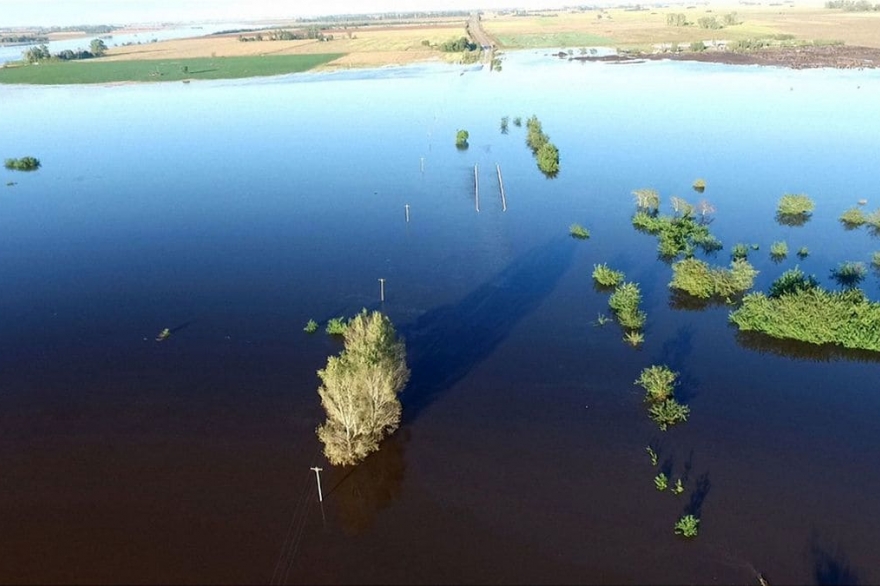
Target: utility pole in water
318 477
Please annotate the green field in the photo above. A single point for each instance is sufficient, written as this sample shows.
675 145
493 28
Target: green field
96 71
552 39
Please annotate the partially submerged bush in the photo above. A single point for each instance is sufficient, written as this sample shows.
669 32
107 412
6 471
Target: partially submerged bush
461 139
849 274
311 327
658 382
668 412
794 209
634 338
739 251
22 164
624 301
803 252
814 315
779 250
647 199
791 281
336 326
688 526
607 277
695 277
853 218
699 185
579 232
875 260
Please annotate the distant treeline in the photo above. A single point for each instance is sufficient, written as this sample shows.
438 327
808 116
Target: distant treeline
853 5
313 32
359 18
24 39
89 29
97 48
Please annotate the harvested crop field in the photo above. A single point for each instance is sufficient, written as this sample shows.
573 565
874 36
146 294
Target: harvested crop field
631 28
389 45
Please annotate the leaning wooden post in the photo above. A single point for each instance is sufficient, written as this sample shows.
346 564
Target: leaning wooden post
501 185
406 207
381 289
476 189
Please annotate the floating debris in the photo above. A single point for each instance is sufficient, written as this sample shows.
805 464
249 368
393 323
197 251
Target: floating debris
163 335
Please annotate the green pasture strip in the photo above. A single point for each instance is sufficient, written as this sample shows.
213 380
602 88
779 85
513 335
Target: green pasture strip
97 71
536 40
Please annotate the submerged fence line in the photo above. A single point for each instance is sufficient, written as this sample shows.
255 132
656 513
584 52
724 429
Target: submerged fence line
501 185
476 188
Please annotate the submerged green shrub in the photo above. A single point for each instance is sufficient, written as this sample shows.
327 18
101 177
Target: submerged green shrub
779 250
853 218
461 139
647 199
668 412
579 232
658 382
791 281
634 338
311 327
624 301
814 315
695 277
607 277
699 185
687 526
849 274
22 164
661 482
794 209
875 260
336 326
803 252
739 250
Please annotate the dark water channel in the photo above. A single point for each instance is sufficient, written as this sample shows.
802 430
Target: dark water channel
233 212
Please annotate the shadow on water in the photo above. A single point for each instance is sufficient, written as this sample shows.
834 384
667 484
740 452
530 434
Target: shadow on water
370 486
830 564
447 342
802 350
675 354
698 496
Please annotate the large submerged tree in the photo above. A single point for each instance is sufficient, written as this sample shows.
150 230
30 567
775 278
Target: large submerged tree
359 389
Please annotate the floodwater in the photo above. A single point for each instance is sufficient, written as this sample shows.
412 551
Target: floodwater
233 212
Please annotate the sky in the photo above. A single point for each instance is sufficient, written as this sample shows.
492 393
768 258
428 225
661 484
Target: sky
69 12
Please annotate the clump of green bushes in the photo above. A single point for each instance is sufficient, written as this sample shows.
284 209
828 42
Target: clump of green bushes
658 382
606 276
545 152
794 209
461 139
779 250
849 274
853 218
803 311
739 251
336 326
677 234
624 302
697 278
579 232
688 526
22 164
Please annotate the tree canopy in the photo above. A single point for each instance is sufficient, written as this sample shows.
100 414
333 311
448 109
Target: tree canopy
359 389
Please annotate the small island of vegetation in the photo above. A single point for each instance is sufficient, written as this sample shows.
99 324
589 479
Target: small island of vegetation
546 153
22 164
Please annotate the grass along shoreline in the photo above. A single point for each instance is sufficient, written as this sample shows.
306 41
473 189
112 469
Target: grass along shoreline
96 71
